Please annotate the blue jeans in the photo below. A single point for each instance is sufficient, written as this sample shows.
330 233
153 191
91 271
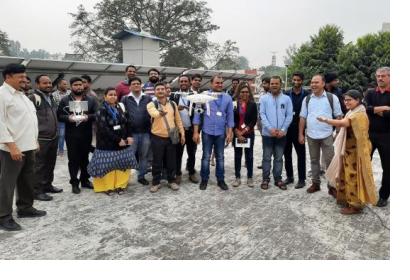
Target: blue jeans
218 144
248 158
61 132
276 147
141 148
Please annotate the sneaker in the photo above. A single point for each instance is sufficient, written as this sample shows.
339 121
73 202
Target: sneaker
250 182
178 179
173 186
237 182
155 188
203 185
223 185
143 181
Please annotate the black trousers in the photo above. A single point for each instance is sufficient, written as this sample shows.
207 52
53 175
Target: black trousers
292 141
381 142
78 150
191 147
16 174
162 148
45 164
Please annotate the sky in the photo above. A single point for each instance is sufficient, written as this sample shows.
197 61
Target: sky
259 27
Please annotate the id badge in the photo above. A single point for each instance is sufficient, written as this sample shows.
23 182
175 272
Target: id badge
117 127
219 114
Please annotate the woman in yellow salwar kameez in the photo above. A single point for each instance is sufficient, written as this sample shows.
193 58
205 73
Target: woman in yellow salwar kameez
113 157
351 168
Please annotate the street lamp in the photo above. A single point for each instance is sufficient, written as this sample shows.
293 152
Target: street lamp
286 77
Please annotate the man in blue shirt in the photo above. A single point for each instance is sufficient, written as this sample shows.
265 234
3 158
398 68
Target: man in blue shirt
276 112
217 124
319 134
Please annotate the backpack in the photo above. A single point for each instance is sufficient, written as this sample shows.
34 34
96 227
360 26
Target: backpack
329 98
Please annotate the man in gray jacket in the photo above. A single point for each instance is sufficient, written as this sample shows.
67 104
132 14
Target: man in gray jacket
46 109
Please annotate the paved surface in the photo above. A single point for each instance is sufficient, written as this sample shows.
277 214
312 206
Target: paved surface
242 223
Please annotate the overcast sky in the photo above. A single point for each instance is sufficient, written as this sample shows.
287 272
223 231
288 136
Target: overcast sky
258 26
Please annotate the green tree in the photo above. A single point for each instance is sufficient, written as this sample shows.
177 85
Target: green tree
357 64
223 57
319 54
4 44
271 70
185 24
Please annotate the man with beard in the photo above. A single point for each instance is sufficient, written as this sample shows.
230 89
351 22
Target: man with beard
153 78
217 129
332 86
123 87
183 108
78 133
46 109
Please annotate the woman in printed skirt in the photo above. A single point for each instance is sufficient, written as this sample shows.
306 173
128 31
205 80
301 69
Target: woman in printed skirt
245 116
113 138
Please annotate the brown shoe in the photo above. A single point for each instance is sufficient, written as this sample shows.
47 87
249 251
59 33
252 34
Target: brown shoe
265 185
350 210
178 179
194 179
281 185
313 188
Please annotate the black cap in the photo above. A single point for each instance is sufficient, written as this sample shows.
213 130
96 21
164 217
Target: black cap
329 77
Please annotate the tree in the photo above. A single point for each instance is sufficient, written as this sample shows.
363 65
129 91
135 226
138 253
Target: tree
357 64
320 53
271 70
4 44
243 63
180 57
223 57
185 24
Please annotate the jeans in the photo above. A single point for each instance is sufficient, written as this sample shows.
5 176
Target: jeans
315 146
61 133
276 147
141 147
218 144
248 158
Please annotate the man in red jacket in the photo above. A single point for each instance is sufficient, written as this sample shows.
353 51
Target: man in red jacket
123 87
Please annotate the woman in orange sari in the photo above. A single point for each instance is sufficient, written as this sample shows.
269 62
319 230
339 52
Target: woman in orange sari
351 168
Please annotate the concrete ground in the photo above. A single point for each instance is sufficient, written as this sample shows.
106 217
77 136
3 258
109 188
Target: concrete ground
242 223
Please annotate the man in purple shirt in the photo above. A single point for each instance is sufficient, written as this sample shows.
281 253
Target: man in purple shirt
217 124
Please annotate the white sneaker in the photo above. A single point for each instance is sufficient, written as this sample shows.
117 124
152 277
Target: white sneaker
155 188
237 182
173 186
250 182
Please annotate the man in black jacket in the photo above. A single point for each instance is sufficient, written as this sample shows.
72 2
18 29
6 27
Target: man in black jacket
378 110
78 133
183 107
296 94
45 163
135 104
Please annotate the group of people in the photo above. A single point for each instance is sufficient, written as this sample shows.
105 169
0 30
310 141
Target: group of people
147 127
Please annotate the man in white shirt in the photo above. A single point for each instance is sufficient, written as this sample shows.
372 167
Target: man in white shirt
18 144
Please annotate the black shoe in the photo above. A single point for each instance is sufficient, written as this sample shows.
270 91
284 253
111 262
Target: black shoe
300 185
30 213
203 185
223 185
53 189
382 202
76 189
9 224
87 185
43 197
143 181
259 167
289 180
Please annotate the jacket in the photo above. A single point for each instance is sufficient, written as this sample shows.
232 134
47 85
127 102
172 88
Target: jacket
138 117
46 115
251 116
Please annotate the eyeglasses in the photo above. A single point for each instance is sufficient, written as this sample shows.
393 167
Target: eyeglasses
348 100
